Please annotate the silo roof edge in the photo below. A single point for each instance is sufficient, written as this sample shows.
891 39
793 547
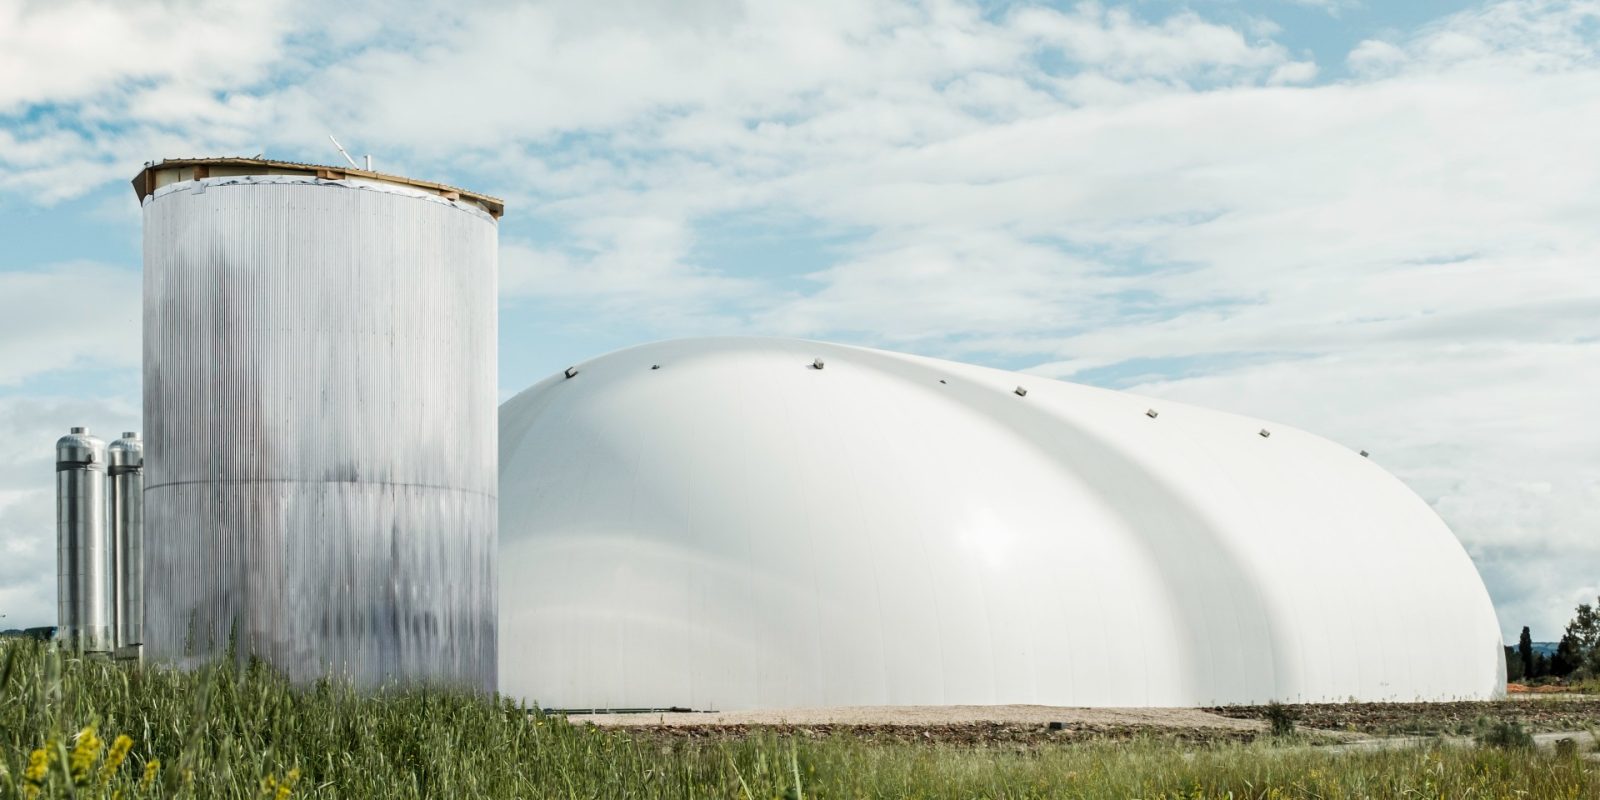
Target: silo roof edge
144 184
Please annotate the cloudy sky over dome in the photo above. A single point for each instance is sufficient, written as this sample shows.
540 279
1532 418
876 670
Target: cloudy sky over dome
1371 222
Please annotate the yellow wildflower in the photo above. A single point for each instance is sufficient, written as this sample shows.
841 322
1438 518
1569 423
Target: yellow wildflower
287 785
38 769
39 764
152 768
85 754
119 753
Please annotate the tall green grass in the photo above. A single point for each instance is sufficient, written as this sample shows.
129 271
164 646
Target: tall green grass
243 732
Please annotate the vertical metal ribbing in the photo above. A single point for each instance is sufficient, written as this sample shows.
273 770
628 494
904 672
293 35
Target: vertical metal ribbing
67 620
83 549
321 430
125 480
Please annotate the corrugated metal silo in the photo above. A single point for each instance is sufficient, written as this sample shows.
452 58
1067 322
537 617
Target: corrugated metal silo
320 420
125 468
83 549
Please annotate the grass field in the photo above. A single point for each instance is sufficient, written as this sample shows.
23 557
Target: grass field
91 729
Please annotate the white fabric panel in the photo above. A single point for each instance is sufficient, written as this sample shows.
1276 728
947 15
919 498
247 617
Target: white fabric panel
738 529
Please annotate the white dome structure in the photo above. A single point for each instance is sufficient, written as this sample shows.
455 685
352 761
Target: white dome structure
739 523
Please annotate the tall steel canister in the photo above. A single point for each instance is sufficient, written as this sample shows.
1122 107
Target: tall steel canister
83 548
125 476
320 420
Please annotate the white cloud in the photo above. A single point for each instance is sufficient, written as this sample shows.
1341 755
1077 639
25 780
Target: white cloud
636 272
1293 72
1332 7
1374 57
966 280
1405 254
1114 42
68 316
74 51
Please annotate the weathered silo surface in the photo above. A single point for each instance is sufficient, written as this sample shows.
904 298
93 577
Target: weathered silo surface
83 547
125 478
320 420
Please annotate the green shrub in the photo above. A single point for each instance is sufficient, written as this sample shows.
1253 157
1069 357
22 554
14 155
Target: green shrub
1281 719
1505 734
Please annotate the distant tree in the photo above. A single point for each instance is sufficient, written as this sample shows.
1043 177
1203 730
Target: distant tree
1541 666
1513 664
1579 650
1586 626
1566 658
1525 649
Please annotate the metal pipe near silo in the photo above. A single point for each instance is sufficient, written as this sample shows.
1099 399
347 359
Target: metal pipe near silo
125 479
320 421
83 546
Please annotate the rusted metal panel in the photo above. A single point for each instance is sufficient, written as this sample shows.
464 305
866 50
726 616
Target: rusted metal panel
320 415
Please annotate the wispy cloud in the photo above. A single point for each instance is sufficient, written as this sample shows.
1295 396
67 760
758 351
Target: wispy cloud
1403 255
1333 7
67 316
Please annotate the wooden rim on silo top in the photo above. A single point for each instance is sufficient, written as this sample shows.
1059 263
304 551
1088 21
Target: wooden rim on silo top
157 174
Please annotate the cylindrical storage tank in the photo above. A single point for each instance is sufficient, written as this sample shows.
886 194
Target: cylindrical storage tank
125 473
83 549
320 421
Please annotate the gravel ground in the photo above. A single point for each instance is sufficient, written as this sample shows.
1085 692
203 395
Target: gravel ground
1548 713
1017 726
1026 726
920 716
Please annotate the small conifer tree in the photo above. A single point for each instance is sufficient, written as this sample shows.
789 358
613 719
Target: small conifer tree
1525 649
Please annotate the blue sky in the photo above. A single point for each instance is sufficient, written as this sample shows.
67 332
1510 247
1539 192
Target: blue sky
1375 221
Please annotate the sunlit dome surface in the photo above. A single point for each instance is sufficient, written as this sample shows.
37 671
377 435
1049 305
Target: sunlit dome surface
721 524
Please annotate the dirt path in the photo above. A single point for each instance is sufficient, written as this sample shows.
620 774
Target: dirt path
924 716
1021 726
1345 725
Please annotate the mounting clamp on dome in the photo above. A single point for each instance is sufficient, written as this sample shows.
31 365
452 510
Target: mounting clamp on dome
1022 391
571 371
1151 413
816 363
947 473
1265 433
1364 454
